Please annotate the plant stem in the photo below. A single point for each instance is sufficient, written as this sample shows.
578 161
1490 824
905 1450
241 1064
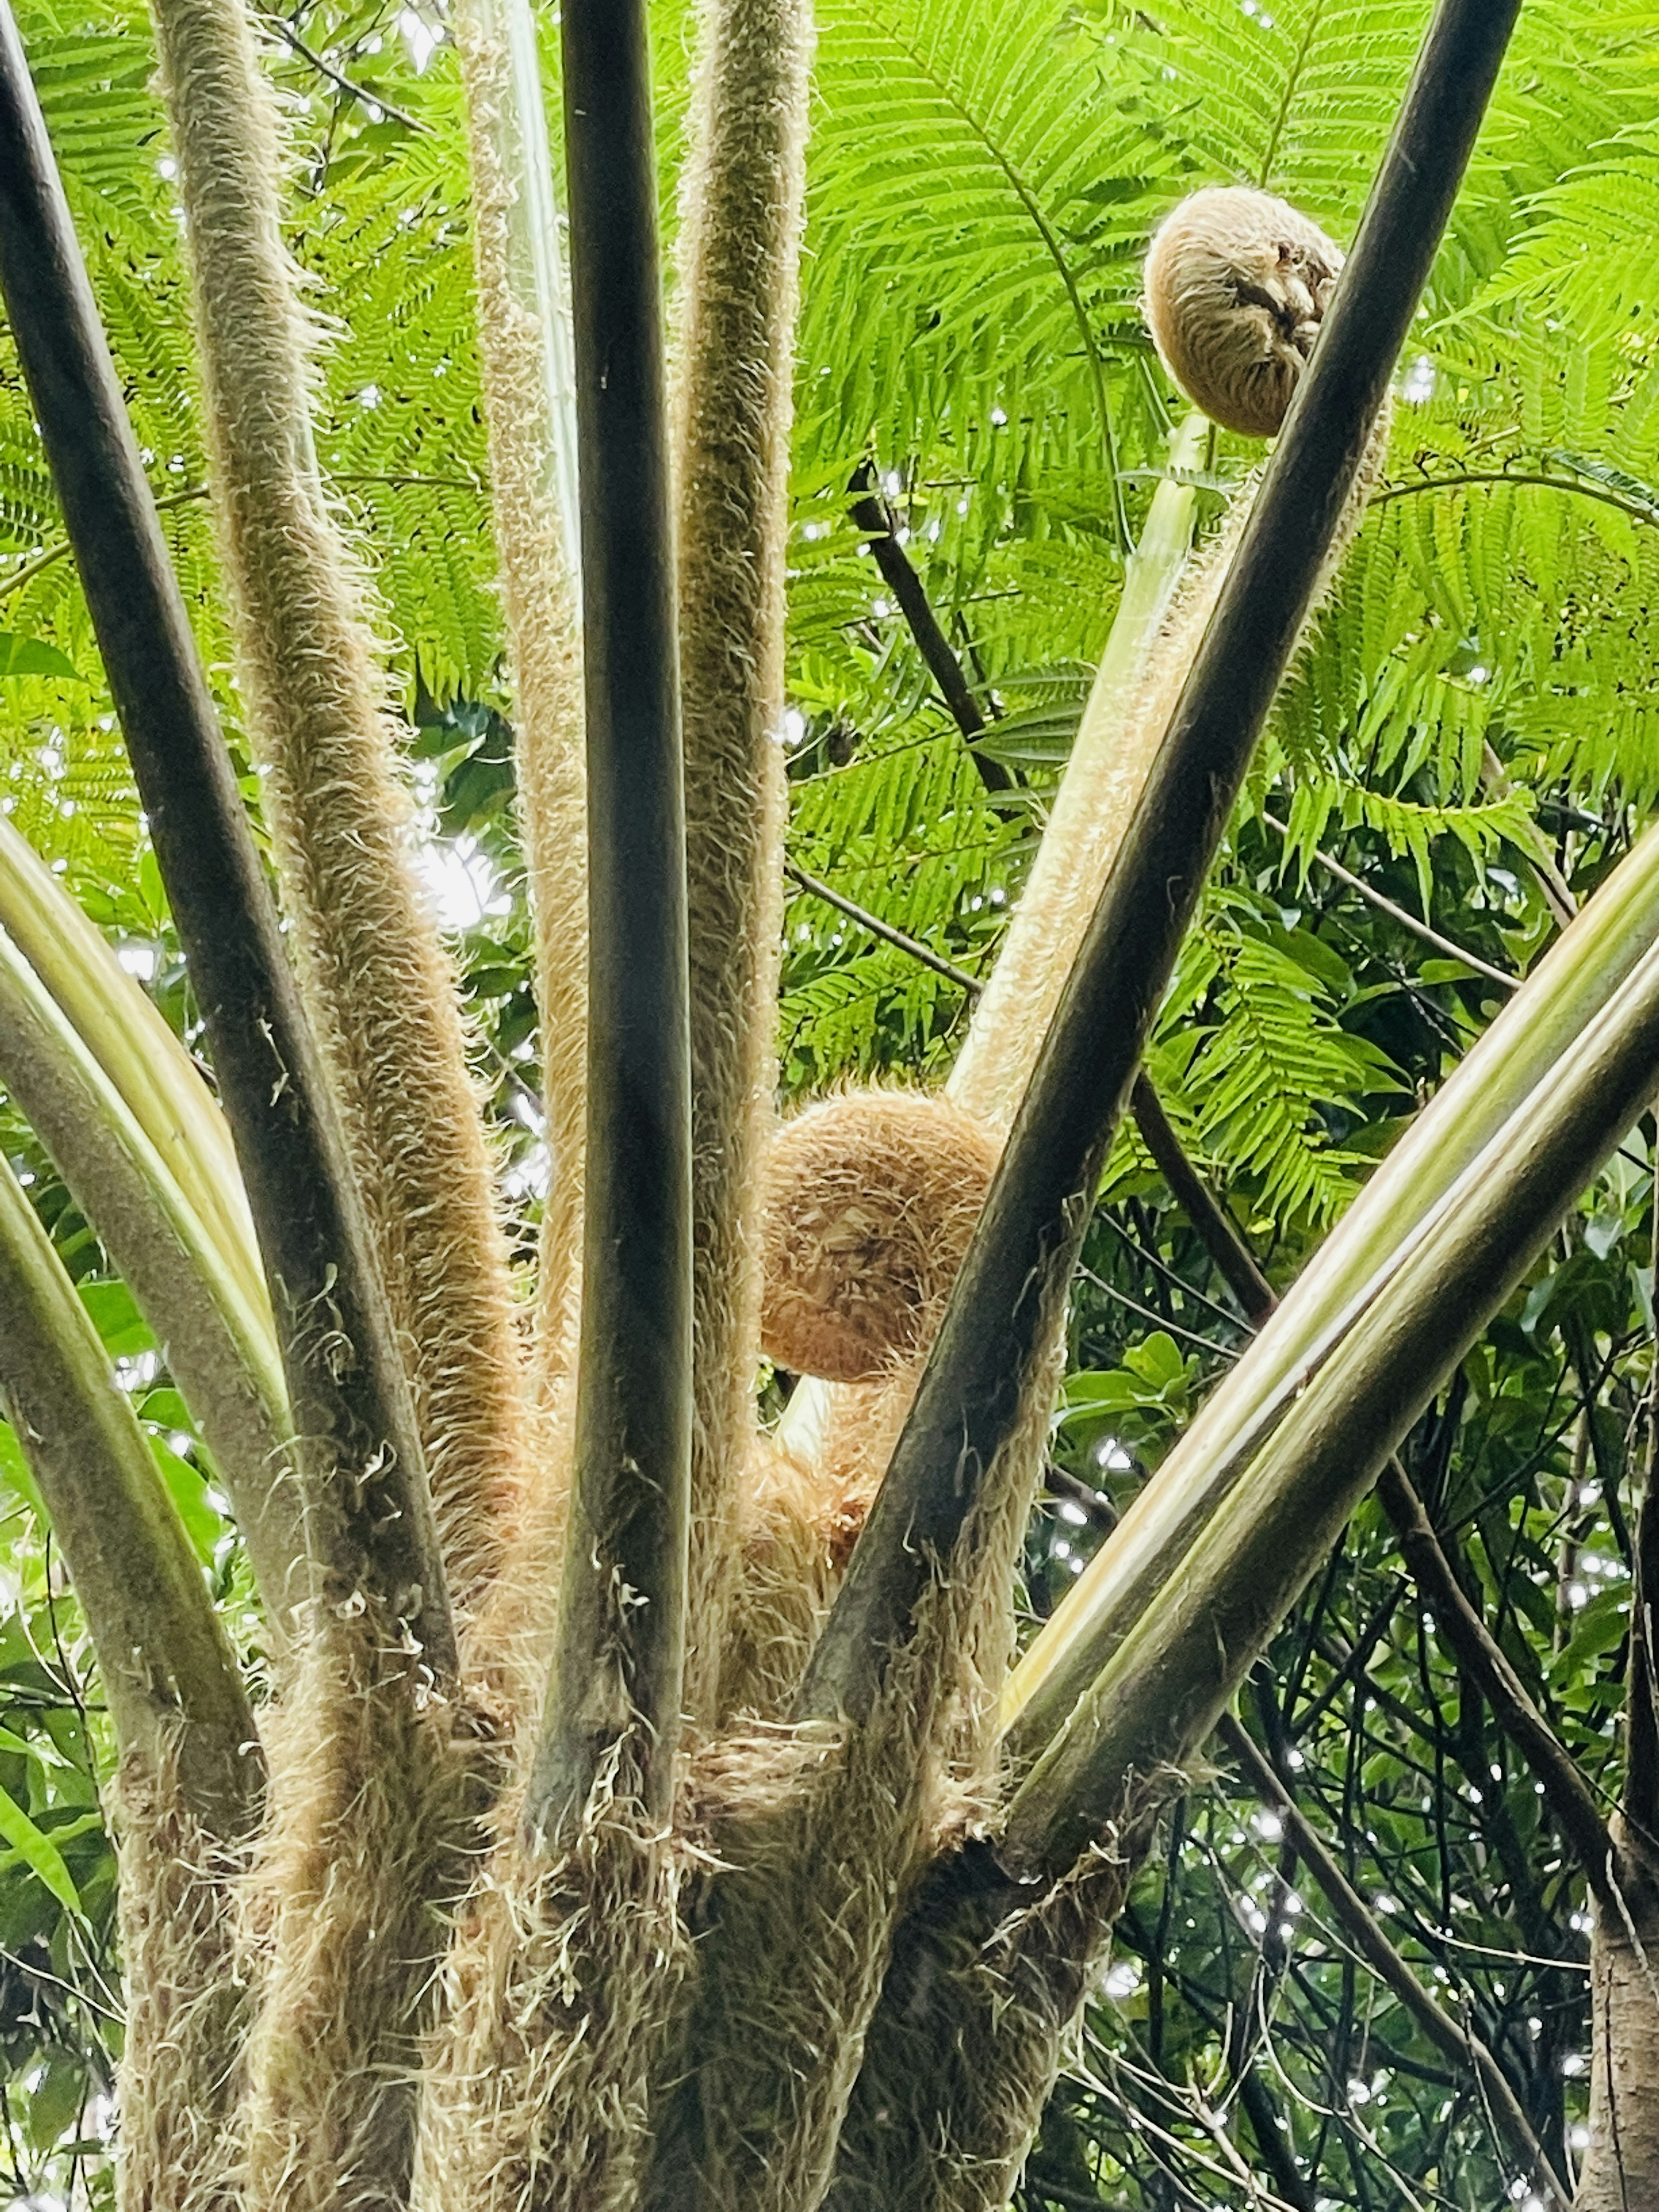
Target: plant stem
1314 1453
1543 1022
1207 1215
621 1657
1038 1207
368 1511
870 511
169 1675
159 1083
1565 1790
222 1349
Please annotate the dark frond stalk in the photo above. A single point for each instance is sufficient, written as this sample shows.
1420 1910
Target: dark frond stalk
617 1674
369 1516
1167 1684
1566 1792
1039 1204
379 990
363 1782
739 247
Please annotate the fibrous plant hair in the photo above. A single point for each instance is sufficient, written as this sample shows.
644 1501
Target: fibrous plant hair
369 1822
740 220
537 566
377 985
180 2080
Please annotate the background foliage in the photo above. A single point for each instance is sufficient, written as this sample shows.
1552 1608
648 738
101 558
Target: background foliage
982 183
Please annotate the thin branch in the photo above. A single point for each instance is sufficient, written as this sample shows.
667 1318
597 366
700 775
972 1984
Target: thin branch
1637 510
1565 1790
1558 893
621 1658
1641 1797
869 511
1029 1237
290 37
884 930
1356 1922
1402 915
1220 1238
369 1512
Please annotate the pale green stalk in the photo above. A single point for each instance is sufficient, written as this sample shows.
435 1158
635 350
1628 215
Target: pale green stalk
220 1345
1093 805
1122 725
147 1066
1168 1680
169 1676
1546 1019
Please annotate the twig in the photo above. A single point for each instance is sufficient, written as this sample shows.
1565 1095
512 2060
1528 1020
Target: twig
1220 1239
869 512
884 930
1637 510
1354 1917
290 37
1402 915
1565 1790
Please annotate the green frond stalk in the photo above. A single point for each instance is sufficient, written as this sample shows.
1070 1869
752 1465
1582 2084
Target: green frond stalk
222 1349
1542 1025
1162 1691
530 410
379 989
1148 653
189 1783
170 1677
739 248
156 1078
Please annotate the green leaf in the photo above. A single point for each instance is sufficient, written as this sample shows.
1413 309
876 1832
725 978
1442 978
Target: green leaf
38 1851
32 656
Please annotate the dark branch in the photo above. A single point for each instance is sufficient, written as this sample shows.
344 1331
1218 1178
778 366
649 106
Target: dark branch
870 511
884 930
1354 1917
1402 915
365 98
1565 1790
1029 1234
367 1506
1221 1240
622 1631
